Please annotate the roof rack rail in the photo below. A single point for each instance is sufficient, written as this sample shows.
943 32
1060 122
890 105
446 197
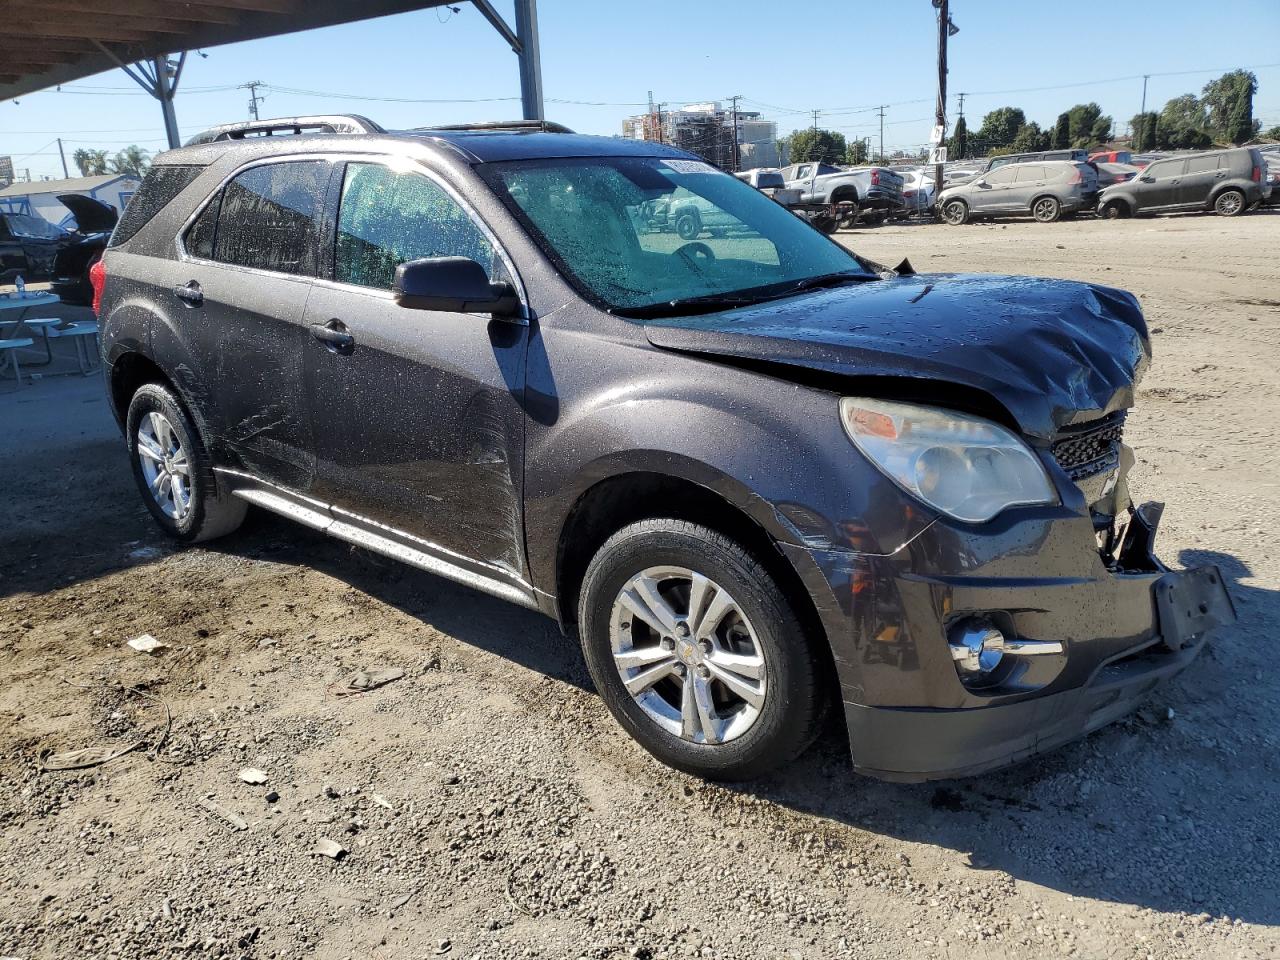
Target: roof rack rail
545 126
344 123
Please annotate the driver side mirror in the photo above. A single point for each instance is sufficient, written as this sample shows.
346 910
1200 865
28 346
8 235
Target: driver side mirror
1147 178
981 183
452 285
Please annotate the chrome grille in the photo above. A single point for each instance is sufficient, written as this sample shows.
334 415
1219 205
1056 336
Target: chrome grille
1090 449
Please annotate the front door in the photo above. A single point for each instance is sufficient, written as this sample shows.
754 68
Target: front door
251 258
417 413
1160 183
992 195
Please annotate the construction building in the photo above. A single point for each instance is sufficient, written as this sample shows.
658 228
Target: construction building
708 130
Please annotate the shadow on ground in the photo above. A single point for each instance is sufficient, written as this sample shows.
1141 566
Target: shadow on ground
1134 814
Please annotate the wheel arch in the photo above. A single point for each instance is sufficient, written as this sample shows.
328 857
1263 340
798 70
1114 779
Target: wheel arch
628 497
1222 188
846 191
1045 195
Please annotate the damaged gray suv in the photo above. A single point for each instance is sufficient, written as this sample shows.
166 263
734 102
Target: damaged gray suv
758 476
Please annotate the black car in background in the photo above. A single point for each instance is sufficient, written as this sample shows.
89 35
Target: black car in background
35 249
756 475
71 265
29 246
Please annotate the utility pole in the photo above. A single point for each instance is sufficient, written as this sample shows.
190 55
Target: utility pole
945 30
63 154
1142 114
736 162
881 112
252 86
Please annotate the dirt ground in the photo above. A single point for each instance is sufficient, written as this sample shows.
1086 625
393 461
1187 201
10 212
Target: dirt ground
489 805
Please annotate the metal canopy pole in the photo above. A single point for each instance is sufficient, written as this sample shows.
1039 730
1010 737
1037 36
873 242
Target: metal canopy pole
530 59
153 77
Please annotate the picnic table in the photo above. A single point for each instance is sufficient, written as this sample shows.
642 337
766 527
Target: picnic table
13 318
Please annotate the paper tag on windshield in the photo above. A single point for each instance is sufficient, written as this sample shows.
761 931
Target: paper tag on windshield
688 166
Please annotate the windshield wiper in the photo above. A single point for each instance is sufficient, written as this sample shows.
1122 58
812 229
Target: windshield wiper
687 306
710 303
832 280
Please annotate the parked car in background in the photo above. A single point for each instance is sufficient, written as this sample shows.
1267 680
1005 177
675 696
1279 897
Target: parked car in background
1227 182
762 178
874 193
28 247
1074 156
1046 190
754 477
917 193
71 265
1271 177
1113 173
1111 156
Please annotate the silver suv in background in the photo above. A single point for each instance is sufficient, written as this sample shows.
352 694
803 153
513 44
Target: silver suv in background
1227 182
1046 190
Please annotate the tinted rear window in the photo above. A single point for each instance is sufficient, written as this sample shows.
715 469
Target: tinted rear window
161 184
270 217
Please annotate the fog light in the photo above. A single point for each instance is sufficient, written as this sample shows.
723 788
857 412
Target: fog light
977 649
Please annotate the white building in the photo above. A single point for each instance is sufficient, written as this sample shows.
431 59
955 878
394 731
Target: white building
39 198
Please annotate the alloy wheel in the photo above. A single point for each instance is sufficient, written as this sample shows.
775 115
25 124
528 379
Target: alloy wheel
687 655
1229 203
165 465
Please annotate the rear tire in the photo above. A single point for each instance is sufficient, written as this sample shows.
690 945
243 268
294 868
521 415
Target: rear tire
1229 203
689 225
172 468
1046 210
761 714
955 212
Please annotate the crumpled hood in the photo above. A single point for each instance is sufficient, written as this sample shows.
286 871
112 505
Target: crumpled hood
1052 352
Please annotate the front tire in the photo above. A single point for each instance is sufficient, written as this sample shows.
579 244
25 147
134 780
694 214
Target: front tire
697 653
1113 210
1229 203
172 469
955 212
689 225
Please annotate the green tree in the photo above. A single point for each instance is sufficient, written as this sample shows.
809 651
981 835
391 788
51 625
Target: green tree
825 146
1029 139
855 153
132 160
999 127
1062 132
958 145
91 163
1273 133
1183 125
1229 100
1086 125
1145 127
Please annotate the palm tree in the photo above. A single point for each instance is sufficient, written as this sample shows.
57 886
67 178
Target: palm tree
92 163
132 160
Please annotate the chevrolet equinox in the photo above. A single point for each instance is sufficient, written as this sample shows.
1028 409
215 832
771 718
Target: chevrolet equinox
758 475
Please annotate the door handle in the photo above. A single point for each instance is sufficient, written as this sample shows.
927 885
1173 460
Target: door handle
335 336
189 293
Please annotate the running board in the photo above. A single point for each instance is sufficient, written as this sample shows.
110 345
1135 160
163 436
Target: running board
313 514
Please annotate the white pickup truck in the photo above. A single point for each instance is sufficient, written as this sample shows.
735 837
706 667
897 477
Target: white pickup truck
872 193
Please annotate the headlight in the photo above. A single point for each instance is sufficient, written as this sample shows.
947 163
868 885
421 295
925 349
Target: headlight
963 466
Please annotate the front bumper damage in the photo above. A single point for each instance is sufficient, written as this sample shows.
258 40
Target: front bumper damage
1125 623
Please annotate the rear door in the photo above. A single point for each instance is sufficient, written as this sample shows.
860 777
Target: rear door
1203 173
250 260
419 418
1028 183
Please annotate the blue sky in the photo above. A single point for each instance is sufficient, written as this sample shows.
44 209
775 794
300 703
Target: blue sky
783 59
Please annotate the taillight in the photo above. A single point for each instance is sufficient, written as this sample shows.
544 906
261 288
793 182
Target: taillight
1257 174
1078 178
875 178
97 280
